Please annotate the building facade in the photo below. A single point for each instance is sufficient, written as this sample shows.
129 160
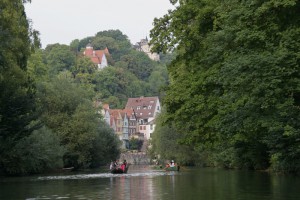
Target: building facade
146 109
144 46
98 57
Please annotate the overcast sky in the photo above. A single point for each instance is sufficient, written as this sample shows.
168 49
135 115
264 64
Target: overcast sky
61 21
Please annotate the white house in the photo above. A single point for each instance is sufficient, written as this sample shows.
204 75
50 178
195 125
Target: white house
98 57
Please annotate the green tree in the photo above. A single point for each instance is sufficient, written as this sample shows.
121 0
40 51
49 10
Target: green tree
115 34
135 144
38 152
137 63
36 66
233 84
17 98
68 110
84 70
106 146
117 43
158 80
74 46
117 82
166 142
59 58
84 42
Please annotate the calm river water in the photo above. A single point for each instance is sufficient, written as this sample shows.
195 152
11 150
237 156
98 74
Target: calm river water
142 183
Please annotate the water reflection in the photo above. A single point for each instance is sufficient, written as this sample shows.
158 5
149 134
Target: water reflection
143 183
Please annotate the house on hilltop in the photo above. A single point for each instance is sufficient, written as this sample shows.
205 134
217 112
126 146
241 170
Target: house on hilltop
98 57
146 110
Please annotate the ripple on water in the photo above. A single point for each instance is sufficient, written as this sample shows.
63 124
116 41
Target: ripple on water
104 175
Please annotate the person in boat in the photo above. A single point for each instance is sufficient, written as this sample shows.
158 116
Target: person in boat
172 164
116 164
123 166
111 165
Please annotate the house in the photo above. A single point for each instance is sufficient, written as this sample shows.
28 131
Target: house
146 110
132 122
98 57
136 120
117 119
123 122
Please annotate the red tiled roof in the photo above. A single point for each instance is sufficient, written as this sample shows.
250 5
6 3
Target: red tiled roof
128 111
96 60
144 107
114 113
96 56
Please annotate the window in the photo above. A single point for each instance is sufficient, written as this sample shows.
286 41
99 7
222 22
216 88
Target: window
144 127
149 107
139 107
151 127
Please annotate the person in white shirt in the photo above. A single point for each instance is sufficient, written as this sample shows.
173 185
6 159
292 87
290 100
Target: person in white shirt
172 164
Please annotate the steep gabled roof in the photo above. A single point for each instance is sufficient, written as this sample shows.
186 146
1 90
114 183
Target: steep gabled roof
130 112
144 107
115 113
95 55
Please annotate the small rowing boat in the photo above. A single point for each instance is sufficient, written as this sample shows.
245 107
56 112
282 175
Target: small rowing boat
119 170
175 168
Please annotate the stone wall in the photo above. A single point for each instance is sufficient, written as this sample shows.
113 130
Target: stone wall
138 158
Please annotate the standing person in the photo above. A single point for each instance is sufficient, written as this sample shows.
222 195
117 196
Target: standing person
111 165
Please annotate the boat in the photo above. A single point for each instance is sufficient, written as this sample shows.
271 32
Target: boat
119 170
175 168
157 167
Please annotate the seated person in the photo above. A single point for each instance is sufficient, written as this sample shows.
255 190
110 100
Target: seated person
172 164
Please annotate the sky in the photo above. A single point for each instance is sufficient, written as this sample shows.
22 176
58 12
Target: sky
62 21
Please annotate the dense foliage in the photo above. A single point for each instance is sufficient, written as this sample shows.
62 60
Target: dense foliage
48 116
135 144
17 89
130 73
235 82
48 119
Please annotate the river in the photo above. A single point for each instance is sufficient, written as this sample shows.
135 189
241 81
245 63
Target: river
142 183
